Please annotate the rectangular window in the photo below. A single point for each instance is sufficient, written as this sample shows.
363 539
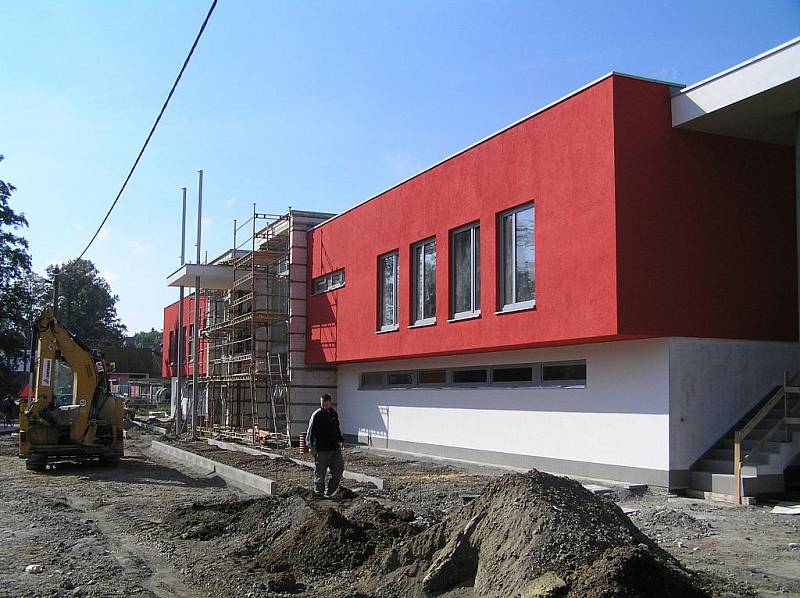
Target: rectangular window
471 376
432 376
518 258
512 374
424 282
328 282
182 341
372 379
387 268
400 378
466 271
190 344
564 374
173 347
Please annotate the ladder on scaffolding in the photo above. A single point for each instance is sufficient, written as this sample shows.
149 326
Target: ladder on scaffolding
279 397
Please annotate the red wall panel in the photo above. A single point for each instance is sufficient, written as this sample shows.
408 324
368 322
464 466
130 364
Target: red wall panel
171 313
562 160
705 227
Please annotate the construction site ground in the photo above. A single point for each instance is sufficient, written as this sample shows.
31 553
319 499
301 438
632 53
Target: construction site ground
152 527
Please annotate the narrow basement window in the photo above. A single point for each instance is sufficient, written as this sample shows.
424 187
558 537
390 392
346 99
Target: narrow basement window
512 374
564 373
471 376
400 378
432 376
372 380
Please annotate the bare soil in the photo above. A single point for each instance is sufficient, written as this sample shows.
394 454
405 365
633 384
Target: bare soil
151 528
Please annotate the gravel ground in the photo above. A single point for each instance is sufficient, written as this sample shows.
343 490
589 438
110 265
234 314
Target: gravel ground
151 528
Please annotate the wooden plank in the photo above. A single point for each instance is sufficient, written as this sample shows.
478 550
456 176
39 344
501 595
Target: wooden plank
762 413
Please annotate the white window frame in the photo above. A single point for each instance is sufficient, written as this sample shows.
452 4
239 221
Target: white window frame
514 305
396 283
475 297
418 302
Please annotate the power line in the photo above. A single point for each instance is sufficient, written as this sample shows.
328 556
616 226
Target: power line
155 125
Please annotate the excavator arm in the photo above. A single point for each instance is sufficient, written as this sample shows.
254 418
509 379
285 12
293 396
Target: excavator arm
88 384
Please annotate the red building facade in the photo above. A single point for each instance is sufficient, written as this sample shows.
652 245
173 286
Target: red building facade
641 230
173 335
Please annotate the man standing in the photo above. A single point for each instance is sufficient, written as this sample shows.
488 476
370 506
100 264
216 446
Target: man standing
326 441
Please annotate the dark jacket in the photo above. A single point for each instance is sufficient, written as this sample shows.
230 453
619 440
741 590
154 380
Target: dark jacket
323 432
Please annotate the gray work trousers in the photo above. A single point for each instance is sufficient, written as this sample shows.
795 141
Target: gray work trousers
324 460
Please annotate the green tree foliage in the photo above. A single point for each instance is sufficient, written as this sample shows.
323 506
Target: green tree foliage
147 340
86 304
15 291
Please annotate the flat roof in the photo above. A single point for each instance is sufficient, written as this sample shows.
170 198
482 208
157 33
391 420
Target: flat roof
756 99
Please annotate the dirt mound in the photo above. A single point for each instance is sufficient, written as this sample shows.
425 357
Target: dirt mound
331 540
535 534
207 520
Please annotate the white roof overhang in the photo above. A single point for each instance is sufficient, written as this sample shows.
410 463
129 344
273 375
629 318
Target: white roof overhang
758 99
211 276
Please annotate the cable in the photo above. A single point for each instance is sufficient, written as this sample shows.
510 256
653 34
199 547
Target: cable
155 124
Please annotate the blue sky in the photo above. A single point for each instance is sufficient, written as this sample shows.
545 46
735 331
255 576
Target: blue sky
313 105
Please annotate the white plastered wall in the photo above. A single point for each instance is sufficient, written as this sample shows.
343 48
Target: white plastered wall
713 384
621 418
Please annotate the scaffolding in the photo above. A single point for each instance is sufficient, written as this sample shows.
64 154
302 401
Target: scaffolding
247 335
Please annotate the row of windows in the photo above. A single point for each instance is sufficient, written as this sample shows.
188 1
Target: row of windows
516 271
546 374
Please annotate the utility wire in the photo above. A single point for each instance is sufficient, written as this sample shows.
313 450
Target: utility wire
155 124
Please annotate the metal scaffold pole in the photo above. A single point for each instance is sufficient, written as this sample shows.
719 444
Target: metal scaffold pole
180 338
196 331
254 351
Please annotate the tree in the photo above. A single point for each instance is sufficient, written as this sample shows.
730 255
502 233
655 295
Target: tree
86 305
147 340
15 296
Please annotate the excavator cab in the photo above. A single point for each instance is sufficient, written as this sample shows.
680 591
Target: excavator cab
73 414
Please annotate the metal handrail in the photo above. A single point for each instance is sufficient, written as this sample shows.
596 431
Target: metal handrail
740 435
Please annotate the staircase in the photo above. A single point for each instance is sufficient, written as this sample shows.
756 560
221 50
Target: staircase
756 451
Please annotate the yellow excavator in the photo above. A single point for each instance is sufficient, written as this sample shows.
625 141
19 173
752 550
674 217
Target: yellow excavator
73 414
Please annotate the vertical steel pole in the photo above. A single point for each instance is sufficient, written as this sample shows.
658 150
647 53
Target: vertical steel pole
196 336
179 344
797 207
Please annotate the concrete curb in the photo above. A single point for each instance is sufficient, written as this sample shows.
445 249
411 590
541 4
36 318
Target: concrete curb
226 472
362 478
150 427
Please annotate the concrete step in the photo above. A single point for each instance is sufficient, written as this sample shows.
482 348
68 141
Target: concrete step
723 466
727 455
723 483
